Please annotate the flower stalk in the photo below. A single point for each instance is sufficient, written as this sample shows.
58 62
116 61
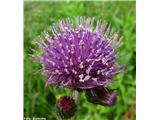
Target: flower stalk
75 95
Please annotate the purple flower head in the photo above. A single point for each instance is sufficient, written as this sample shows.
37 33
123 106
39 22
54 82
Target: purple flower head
80 56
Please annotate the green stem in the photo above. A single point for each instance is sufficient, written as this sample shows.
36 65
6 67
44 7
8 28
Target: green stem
75 95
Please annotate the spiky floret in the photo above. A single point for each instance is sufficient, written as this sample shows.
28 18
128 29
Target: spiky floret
80 56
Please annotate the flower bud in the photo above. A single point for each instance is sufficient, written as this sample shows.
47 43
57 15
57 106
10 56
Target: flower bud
102 96
66 107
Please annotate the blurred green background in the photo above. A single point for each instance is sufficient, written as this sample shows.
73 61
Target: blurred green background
39 101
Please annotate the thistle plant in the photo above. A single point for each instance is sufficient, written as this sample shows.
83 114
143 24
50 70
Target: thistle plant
82 57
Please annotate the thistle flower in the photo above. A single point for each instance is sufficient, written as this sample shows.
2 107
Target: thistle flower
80 56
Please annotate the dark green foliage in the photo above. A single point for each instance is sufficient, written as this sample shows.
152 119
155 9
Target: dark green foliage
39 100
